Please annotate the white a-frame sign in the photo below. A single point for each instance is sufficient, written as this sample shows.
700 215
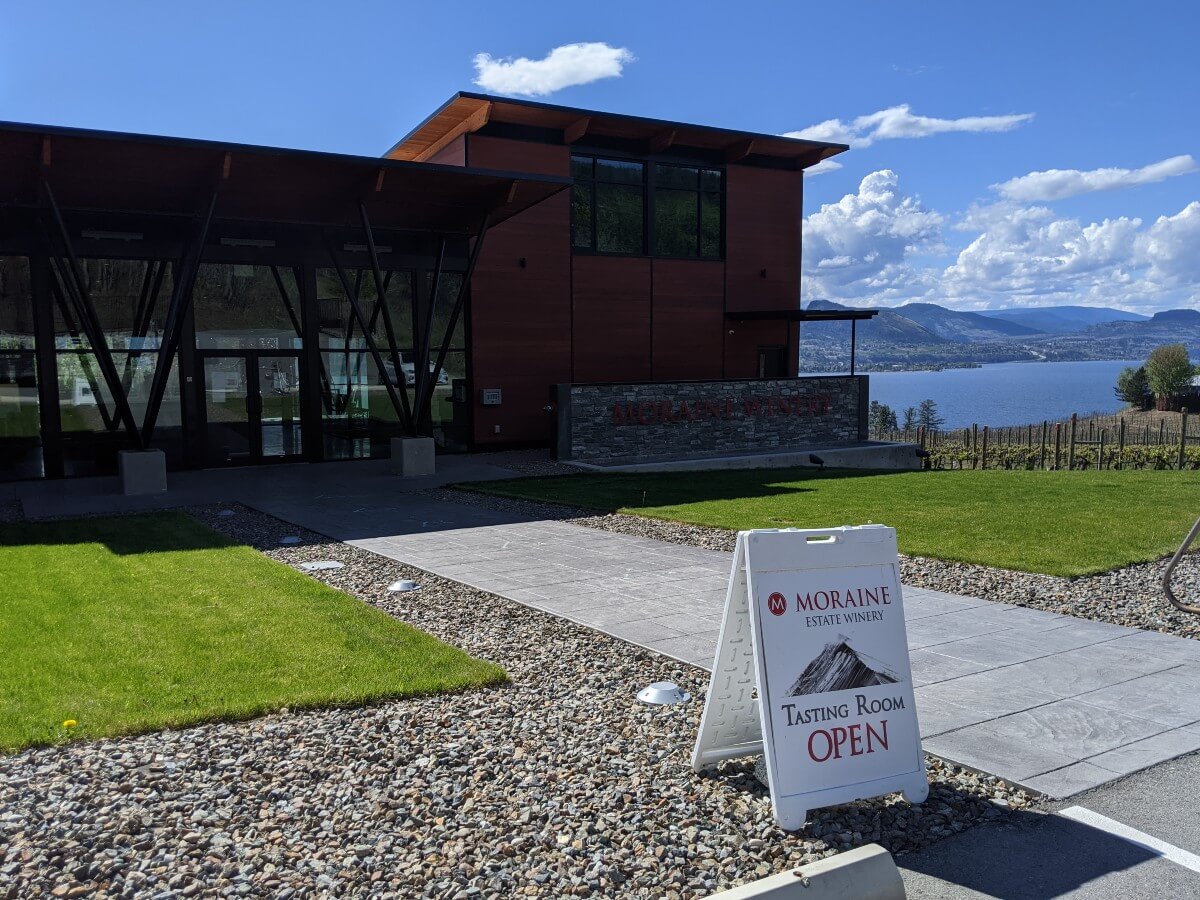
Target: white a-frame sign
812 670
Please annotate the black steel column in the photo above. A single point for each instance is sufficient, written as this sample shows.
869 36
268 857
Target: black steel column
47 367
312 385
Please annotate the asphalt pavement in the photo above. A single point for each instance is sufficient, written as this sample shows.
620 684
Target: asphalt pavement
1048 853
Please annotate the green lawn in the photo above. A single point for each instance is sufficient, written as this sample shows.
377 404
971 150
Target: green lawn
131 624
1057 523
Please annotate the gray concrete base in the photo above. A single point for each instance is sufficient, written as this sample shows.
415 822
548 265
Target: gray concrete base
864 873
412 456
142 472
873 455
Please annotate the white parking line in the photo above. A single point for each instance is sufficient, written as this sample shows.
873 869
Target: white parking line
1140 838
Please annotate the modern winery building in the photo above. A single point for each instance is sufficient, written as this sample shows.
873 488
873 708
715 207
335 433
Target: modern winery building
508 274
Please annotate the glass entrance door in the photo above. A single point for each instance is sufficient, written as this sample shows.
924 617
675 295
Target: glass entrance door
251 406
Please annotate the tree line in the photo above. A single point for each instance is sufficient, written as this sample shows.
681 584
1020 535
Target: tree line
881 417
1165 380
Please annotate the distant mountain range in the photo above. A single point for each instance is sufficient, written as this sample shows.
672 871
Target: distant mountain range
1063 319
925 335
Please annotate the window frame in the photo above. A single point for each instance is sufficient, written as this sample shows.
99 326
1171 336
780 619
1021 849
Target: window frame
649 248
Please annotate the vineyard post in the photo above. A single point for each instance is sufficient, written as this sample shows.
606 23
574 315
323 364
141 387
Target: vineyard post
1029 436
1100 453
974 438
1182 436
1162 431
1057 445
1071 445
983 460
1121 445
1045 428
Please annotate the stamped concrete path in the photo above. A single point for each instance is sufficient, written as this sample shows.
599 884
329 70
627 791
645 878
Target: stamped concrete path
1057 704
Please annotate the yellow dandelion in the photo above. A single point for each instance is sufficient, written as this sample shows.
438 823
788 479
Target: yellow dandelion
70 723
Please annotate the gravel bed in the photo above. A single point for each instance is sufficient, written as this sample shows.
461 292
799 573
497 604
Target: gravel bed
1130 596
558 784
527 462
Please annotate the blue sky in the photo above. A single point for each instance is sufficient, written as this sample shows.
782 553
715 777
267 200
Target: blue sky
913 218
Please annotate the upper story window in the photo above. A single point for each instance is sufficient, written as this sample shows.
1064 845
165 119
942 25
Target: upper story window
608 205
687 212
630 208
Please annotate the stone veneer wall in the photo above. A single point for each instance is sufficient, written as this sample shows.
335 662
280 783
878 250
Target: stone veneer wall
627 423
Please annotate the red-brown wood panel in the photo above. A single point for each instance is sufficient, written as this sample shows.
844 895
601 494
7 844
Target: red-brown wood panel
517 156
763 212
742 341
612 318
689 319
521 317
453 154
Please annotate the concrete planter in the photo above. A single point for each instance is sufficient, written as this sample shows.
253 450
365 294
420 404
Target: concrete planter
142 472
412 456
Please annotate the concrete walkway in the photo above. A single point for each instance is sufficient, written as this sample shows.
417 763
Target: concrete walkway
1055 703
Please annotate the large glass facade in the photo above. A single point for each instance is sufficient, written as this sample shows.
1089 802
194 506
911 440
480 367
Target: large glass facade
358 415
130 298
20 424
237 392
244 307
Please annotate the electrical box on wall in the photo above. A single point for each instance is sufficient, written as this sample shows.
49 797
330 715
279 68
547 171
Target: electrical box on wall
489 396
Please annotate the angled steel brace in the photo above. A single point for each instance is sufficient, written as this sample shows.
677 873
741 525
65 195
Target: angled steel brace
75 285
427 337
181 298
326 394
381 286
424 403
363 323
151 286
84 362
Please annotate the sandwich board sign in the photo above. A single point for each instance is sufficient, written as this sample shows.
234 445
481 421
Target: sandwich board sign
812 670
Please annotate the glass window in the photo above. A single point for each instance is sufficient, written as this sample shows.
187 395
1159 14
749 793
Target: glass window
243 308
687 212
131 297
20 425
16 304
608 205
618 218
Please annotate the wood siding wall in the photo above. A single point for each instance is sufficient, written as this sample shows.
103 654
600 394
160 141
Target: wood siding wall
521 317
580 318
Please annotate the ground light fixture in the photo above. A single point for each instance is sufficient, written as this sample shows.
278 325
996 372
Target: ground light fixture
289 539
403 585
663 693
320 565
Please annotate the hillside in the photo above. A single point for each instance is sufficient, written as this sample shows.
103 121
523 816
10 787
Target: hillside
1062 319
939 337
962 326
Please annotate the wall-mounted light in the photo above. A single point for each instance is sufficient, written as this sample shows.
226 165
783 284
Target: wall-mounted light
522 262
111 235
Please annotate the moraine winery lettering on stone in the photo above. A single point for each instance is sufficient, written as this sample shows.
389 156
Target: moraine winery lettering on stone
838 667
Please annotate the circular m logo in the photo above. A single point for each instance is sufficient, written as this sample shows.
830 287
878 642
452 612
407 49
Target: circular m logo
777 604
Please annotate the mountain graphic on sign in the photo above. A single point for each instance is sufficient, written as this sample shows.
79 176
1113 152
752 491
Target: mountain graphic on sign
839 667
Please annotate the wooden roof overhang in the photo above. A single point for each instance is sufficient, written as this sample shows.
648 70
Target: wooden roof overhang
468 112
98 171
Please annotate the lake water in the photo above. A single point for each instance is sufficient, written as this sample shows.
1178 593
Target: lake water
1005 393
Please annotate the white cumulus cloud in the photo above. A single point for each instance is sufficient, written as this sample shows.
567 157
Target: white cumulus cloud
861 244
900 122
823 167
881 247
1058 184
562 67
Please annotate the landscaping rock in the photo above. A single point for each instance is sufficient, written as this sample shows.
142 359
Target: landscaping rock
558 784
